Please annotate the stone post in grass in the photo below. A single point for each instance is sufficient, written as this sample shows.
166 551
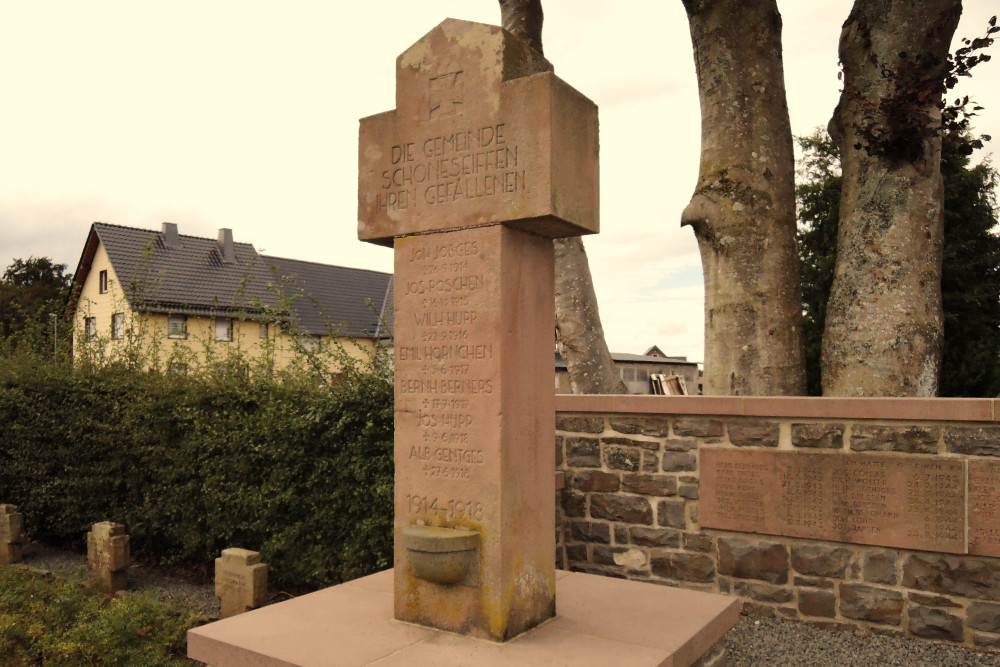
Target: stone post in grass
240 581
108 556
11 524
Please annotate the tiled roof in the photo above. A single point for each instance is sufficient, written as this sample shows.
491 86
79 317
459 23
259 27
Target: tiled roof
329 298
191 277
636 358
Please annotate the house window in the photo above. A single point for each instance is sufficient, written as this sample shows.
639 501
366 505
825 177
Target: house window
177 326
102 282
118 325
223 329
90 326
309 343
263 329
177 368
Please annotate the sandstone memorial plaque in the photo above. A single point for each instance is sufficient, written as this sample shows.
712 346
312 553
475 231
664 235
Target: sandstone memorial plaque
874 499
486 158
984 508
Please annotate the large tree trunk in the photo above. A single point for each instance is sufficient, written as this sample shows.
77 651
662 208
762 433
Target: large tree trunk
883 321
578 321
743 208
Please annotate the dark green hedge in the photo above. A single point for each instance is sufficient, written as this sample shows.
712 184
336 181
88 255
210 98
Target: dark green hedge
298 471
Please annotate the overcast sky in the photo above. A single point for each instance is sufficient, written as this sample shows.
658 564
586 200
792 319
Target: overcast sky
244 115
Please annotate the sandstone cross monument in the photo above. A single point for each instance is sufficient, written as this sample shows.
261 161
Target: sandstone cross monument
486 158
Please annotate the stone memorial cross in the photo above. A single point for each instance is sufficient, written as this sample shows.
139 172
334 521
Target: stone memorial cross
486 158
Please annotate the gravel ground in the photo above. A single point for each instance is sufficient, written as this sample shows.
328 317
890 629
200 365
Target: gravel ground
754 641
766 641
168 586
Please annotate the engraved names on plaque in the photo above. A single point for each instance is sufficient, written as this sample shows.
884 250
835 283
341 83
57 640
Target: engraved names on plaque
872 499
446 374
984 508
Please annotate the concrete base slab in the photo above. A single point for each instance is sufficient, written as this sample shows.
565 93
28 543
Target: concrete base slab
600 621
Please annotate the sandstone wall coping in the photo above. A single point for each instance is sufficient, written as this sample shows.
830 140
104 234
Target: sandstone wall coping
802 407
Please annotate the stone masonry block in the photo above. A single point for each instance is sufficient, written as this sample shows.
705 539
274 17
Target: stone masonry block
976 441
574 504
977 578
589 531
671 513
819 436
753 559
583 452
880 567
622 458
579 424
649 445
240 581
820 561
680 444
932 623
649 485
762 592
753 433
628 509
870 603
683 566
698 428
679 461
654 426
818 603
654 537
984 616
911 439
595 480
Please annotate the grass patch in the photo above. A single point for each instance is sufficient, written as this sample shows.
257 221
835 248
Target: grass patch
45 619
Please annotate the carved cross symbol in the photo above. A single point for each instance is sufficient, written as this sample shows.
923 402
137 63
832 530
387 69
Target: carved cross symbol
447 92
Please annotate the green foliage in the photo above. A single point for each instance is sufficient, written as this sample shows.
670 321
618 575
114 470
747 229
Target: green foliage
970 280
32 293
295 464
818 199
51 621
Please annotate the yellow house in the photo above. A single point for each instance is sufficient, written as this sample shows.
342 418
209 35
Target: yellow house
167 300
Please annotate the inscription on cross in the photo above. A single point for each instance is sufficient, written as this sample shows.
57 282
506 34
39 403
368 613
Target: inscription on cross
486 158
483 133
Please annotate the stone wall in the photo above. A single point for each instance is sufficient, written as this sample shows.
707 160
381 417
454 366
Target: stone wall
632 467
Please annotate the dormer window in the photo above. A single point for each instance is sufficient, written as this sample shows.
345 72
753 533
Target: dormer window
223 329
177 326
102 282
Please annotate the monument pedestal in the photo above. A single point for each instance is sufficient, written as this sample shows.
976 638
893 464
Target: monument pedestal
600 621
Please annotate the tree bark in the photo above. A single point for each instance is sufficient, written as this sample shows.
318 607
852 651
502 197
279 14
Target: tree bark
884 326
578 320
743 208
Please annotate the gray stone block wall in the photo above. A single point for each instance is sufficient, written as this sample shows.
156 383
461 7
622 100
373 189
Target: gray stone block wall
629 509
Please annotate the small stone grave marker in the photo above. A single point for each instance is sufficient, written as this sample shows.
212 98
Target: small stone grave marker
108 556
240 581
11 525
